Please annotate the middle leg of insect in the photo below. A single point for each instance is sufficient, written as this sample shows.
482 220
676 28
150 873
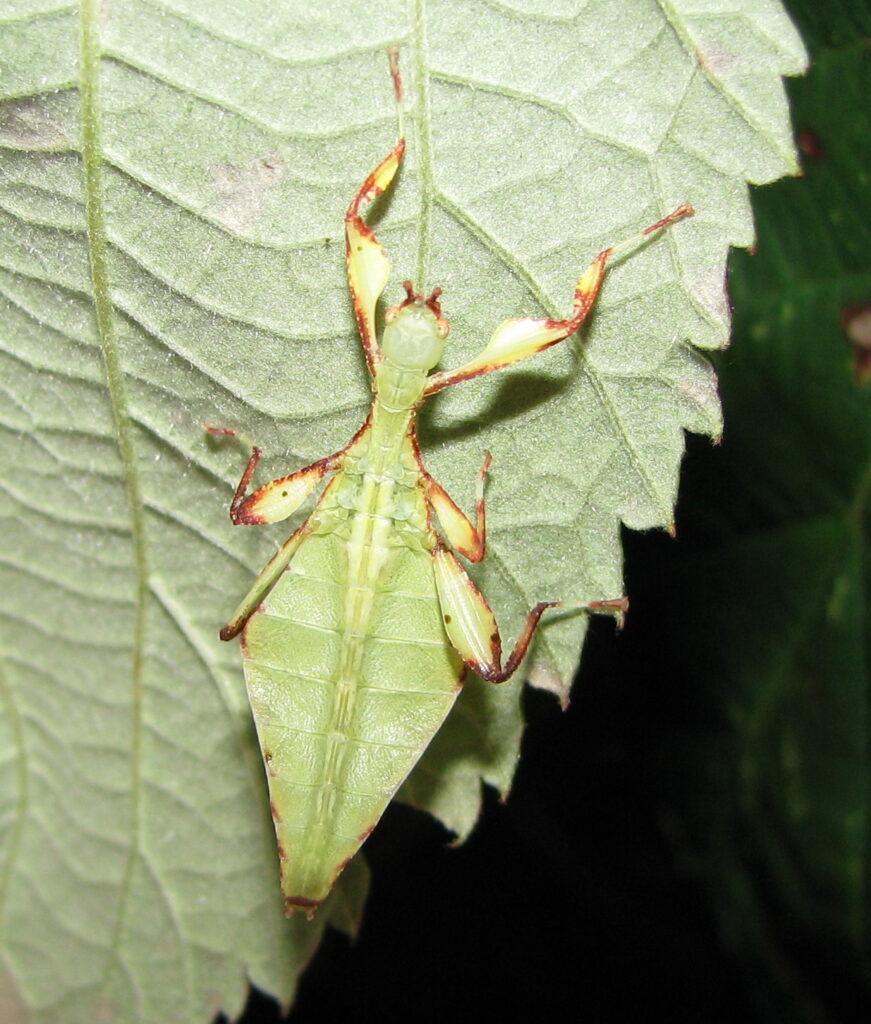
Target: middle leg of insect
358 633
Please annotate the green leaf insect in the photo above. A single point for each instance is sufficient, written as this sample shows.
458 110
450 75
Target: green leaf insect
358 633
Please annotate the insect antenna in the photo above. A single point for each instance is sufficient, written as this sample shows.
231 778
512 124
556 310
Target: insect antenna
433 302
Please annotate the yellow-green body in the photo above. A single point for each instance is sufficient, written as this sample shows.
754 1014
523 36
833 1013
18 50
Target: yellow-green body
372 674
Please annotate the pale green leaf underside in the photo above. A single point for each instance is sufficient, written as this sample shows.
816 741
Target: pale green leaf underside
172 185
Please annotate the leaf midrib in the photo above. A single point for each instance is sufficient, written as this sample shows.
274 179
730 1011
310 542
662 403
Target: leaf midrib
96 241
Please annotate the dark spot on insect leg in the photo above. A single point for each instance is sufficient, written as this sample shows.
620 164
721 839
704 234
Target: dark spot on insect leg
448 620
282 853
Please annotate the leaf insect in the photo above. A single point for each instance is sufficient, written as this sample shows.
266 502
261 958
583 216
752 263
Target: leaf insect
358 633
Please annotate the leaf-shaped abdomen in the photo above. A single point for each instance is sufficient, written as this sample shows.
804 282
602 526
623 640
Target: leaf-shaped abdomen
344 704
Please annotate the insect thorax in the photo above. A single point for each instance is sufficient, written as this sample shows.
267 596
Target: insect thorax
380 479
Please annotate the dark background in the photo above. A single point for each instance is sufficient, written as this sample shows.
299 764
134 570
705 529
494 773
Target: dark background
691 837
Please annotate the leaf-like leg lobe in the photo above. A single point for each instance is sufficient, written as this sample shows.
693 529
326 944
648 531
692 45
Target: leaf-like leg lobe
280 498
470 540
471 625
368 264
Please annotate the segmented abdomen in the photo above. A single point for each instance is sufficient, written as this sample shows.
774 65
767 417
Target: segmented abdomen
343 708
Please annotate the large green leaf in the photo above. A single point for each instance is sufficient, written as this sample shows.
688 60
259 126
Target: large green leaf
173 183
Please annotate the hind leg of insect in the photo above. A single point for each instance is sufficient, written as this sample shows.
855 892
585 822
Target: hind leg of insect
469 621
264 583
471 625
470 539
269 504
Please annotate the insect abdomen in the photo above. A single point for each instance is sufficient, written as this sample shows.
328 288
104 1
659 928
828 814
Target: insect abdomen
344 727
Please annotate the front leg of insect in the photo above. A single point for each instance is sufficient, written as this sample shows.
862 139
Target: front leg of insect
357 634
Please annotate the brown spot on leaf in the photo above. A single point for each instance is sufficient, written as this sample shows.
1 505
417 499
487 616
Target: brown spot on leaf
282 853
104 1012
13 1008
276 814
31 123
241 188
270 168
710 290
717 60
856 320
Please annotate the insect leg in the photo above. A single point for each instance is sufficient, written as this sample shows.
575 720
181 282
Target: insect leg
279 498
276 500
368 265
470 540
518 339
471 625
264 583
